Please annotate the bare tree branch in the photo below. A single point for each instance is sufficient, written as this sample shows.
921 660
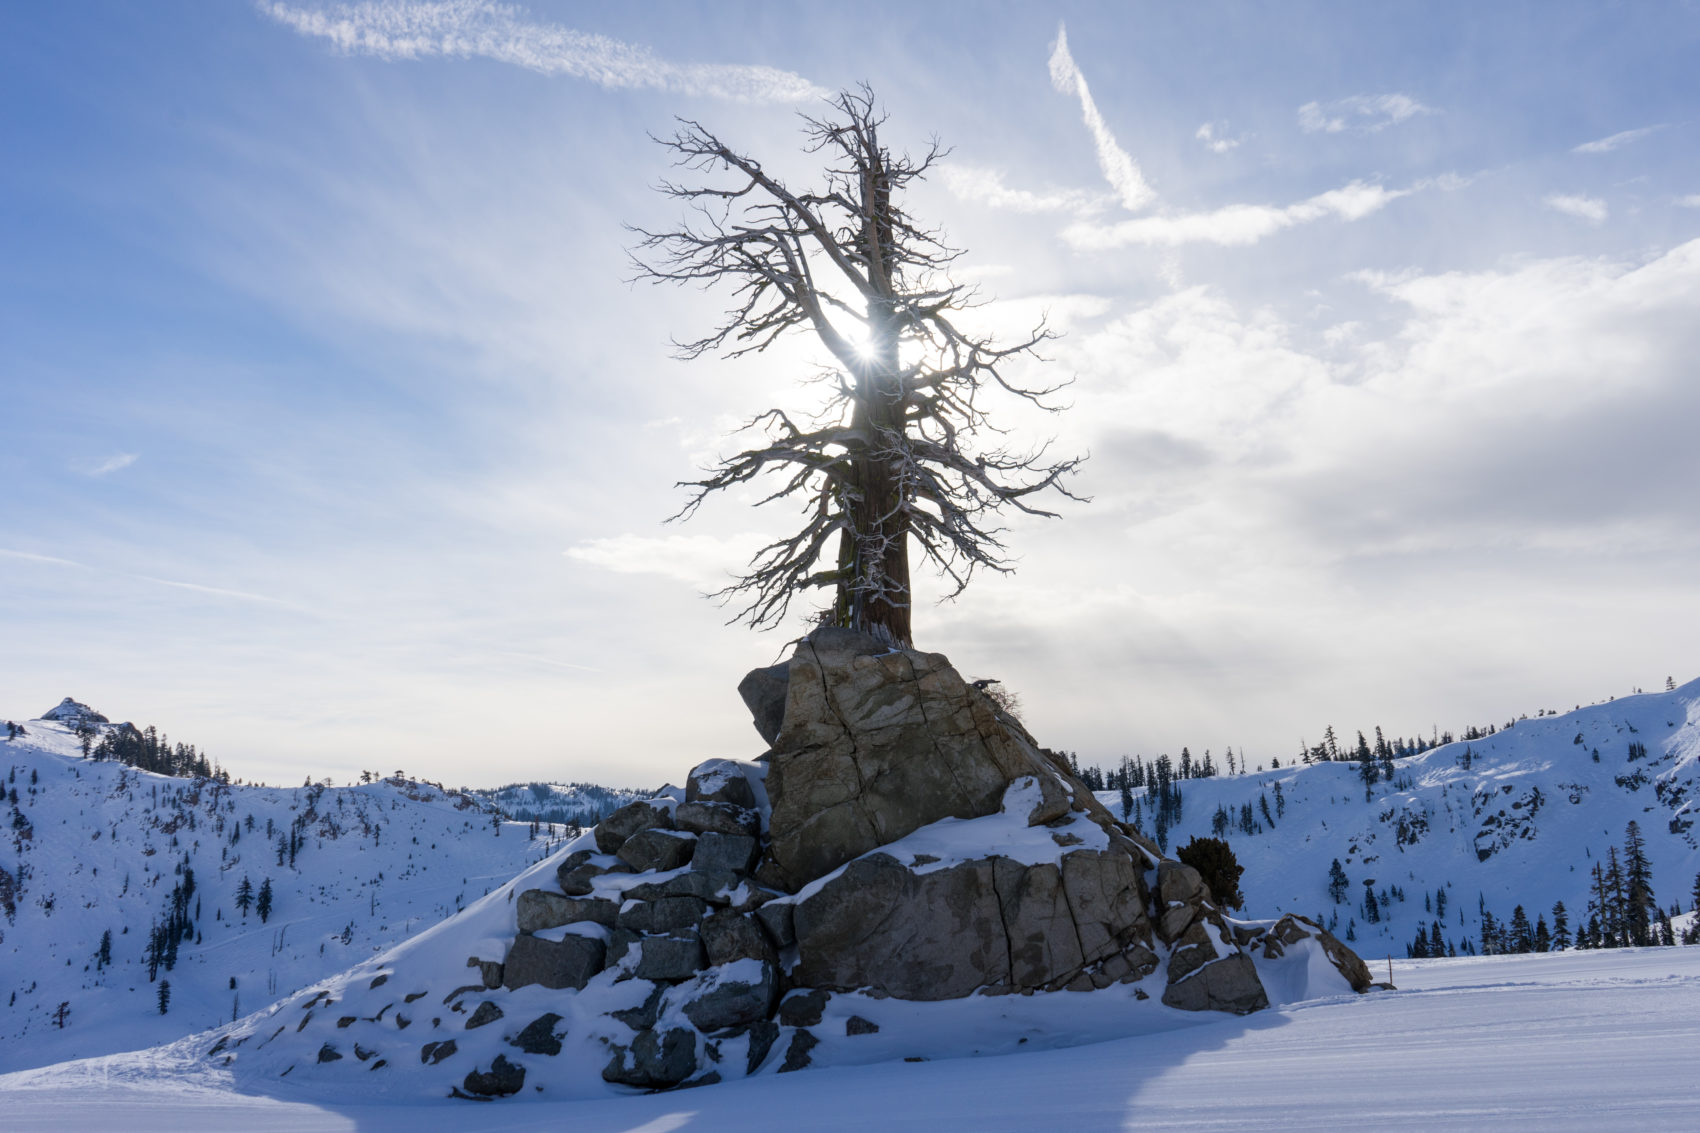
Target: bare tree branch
891 456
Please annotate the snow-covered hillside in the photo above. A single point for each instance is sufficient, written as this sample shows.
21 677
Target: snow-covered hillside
1520 820
581 804
92 848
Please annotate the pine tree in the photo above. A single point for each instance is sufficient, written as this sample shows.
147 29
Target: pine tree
245 895
1613 919
1639 904
263 905
1522 937
1338 883
103 954
1367 770
164 995
1560 928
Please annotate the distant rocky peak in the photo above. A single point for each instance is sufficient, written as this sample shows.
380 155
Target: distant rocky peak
69 711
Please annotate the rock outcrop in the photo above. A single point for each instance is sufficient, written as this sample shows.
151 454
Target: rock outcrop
902 839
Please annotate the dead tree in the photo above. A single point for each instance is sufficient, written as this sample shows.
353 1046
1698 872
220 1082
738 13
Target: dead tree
894 453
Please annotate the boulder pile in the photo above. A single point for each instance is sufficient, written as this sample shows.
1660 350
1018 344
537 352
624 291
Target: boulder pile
903 841
903 837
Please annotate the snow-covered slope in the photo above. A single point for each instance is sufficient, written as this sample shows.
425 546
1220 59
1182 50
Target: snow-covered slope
1583 1041
1522 821
96 847
581 804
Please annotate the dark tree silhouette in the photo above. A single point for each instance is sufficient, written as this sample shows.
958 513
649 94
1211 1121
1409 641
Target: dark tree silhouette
893 454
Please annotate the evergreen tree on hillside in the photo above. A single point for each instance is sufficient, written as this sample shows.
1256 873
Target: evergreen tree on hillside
1639 904
1367 770
1560 927
1522 936
245 895
263 904
1337 882
164 996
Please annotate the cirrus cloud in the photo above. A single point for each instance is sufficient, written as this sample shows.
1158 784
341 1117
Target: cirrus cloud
465 29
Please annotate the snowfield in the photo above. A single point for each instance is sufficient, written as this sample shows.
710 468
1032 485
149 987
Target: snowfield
97 847
1578 1040
1521 821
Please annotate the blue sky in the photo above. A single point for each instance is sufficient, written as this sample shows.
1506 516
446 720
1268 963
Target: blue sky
336 438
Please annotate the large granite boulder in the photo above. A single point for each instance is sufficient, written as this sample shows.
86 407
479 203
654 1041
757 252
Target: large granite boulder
992 922
877 742
569 962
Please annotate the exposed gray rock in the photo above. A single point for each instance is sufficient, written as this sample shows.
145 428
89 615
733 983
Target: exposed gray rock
763 691
670 914
719 781
613 831
735 936
670 958
503 1078
1180 896
653 1060
715 852
717 818
328 1053
986 922
878 742
657 849
797 1054
1229 984
712 886
762 1035
539 909
539 1036
1193 949
643 1016
802 1008
620 942
569 962
777 921
489 971
856 1025
581 878
938 935
435 1052
487 1012
717 999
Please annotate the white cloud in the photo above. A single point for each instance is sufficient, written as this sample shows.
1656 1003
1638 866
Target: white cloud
32 557
465 29
707 561
986 186
1119 168
217 591
1591 209
1615 141
1691 201
1234 225
113 463
1215 142
1367 112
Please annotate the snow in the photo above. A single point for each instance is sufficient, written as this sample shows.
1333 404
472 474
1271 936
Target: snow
1557 1041
1523 824
379 862
951 841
